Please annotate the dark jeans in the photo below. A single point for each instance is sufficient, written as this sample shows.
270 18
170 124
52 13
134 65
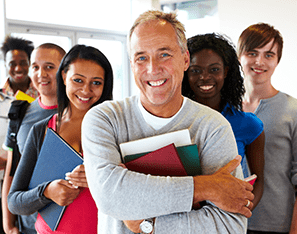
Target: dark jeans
258 232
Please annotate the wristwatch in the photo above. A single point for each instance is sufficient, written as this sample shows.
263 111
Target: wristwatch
147 226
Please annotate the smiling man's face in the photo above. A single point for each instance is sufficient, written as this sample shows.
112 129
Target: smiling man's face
158 65
259 64
17 64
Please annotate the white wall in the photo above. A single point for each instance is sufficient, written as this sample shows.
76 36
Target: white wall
140 6
236 15
2 36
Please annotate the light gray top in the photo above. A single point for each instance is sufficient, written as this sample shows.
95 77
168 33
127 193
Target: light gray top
121 194
274 211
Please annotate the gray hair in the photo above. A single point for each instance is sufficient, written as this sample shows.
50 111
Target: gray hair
159 15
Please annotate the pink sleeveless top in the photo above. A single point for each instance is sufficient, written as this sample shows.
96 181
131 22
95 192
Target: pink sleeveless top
80 216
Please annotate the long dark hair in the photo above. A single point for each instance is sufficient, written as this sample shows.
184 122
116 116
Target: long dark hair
88 53
233 88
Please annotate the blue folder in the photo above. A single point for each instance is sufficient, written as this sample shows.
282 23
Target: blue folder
56 158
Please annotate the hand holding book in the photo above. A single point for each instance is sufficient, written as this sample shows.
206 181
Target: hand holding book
61 192
52 164
77 177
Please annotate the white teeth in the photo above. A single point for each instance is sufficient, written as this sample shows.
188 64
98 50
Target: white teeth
206 87
257 70
156 83
83 99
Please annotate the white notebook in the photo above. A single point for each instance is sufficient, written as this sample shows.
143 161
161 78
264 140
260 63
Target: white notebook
179 138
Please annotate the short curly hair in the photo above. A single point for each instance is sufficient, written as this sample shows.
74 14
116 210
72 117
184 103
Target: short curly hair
15 43
233 88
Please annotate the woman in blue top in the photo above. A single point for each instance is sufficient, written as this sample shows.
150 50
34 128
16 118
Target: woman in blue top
214 79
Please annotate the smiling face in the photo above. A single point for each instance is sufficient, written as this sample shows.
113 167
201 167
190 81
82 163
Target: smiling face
206 76
17 64
158 65
259 64
84 83
45 64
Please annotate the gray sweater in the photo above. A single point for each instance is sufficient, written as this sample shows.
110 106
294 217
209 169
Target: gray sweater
274 211
121 194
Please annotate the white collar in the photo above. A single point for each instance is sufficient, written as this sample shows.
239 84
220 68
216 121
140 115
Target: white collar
154 121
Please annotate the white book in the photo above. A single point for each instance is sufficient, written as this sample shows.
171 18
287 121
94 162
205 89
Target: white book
179 138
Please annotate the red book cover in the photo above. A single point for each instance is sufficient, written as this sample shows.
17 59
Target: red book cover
251 179
163 162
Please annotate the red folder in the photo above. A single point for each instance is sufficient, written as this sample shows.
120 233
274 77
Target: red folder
163 162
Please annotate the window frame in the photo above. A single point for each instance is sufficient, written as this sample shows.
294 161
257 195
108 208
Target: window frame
74 33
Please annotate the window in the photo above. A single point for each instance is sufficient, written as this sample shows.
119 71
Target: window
198 16
85 23
39 39
115 53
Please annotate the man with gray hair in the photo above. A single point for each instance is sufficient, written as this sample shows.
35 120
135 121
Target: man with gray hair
130 201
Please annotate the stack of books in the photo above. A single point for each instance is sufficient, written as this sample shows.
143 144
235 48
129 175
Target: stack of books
170 154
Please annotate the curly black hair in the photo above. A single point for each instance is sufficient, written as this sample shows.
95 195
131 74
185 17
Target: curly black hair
15 43
233 88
